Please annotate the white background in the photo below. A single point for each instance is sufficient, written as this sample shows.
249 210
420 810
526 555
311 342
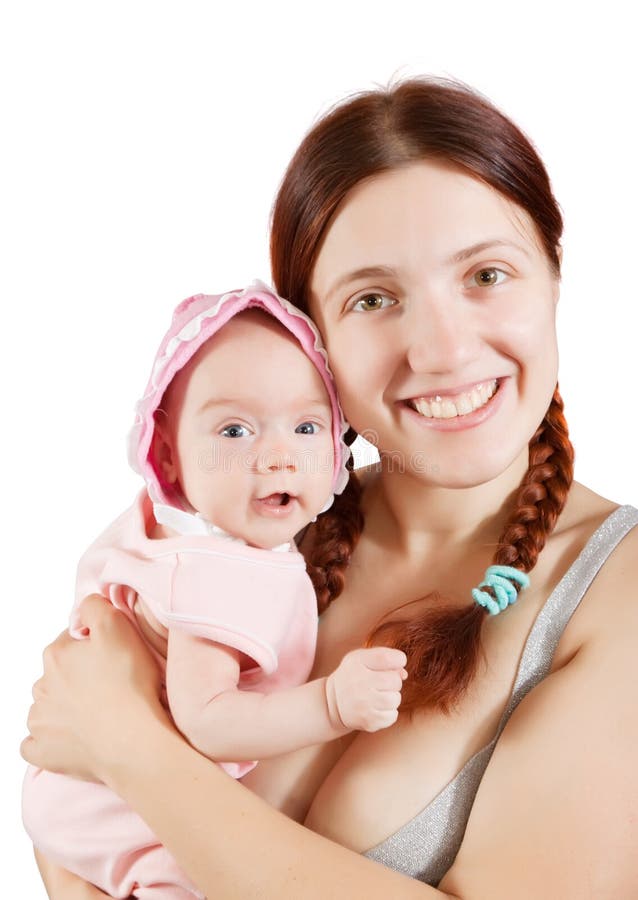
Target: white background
142 144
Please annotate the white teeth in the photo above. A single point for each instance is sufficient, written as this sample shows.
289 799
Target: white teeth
450 407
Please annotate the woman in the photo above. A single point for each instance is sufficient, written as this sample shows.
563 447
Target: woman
418 228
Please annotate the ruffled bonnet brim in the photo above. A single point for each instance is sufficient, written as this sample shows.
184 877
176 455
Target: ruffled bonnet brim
196 320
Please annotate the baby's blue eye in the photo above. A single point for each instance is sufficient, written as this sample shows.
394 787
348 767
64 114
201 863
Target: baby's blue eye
307 428
235 431
369 302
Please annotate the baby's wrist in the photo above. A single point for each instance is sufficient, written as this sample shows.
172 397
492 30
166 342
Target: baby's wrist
332 706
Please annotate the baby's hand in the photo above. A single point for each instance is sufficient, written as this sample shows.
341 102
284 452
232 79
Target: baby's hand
364 691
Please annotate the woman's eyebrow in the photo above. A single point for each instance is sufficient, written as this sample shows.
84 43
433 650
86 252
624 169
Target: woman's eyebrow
388 271
365 272
480 247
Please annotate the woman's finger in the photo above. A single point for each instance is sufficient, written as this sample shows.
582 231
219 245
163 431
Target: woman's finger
52 650
27 748
111 671
95 611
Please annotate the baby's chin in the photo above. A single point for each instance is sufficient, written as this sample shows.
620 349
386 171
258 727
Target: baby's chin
268 535
269 521
275 537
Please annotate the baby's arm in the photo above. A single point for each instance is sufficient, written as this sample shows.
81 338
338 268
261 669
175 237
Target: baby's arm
225 723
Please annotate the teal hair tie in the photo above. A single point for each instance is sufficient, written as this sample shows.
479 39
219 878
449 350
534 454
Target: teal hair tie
502 580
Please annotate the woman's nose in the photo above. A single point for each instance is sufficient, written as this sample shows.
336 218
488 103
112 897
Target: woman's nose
441 338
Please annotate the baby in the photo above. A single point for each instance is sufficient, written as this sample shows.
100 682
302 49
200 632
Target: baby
239 437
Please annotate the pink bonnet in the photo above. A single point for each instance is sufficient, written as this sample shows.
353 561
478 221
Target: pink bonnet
196 320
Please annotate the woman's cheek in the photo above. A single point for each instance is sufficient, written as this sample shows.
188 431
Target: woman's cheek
525 329
357 364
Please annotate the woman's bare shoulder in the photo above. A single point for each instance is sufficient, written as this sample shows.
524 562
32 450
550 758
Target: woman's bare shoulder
563 778
614 592
608 610
584 510
615 585
563 781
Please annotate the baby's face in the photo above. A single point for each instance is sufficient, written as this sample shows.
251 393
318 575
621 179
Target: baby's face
250 429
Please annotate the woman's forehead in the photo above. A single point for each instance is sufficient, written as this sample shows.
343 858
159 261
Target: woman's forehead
424 211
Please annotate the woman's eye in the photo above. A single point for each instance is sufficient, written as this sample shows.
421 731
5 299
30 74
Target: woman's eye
235 431
369 302
488 277
307 428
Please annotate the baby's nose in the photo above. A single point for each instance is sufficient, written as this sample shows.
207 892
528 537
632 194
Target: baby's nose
277 459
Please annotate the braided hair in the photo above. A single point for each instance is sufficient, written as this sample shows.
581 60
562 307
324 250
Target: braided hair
371 133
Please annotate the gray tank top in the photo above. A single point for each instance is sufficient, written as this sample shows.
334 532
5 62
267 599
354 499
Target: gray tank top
426 846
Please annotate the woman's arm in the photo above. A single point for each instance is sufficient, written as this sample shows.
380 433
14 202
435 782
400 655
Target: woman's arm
99 698
226 723
232 844
557 810
63 885
558 806
554 817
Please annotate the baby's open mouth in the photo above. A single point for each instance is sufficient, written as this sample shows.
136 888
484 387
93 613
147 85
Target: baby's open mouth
276 499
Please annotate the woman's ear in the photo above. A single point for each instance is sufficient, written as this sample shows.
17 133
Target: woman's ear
162 449
559 254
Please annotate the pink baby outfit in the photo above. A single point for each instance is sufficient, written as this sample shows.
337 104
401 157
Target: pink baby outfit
260 602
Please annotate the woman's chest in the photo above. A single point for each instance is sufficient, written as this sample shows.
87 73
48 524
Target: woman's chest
363 787
378 782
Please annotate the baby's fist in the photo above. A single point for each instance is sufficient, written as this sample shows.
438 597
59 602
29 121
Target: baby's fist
364 691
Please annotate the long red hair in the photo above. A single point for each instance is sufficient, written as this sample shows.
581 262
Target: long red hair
371 133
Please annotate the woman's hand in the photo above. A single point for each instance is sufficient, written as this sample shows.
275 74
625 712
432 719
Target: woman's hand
62 885
94 696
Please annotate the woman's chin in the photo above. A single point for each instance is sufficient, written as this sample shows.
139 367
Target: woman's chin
464 474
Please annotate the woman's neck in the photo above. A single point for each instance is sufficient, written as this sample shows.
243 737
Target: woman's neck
420 511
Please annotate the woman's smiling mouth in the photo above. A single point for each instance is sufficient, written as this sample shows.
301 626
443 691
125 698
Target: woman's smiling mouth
460 408
454 405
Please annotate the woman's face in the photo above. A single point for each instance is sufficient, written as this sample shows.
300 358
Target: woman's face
437 306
